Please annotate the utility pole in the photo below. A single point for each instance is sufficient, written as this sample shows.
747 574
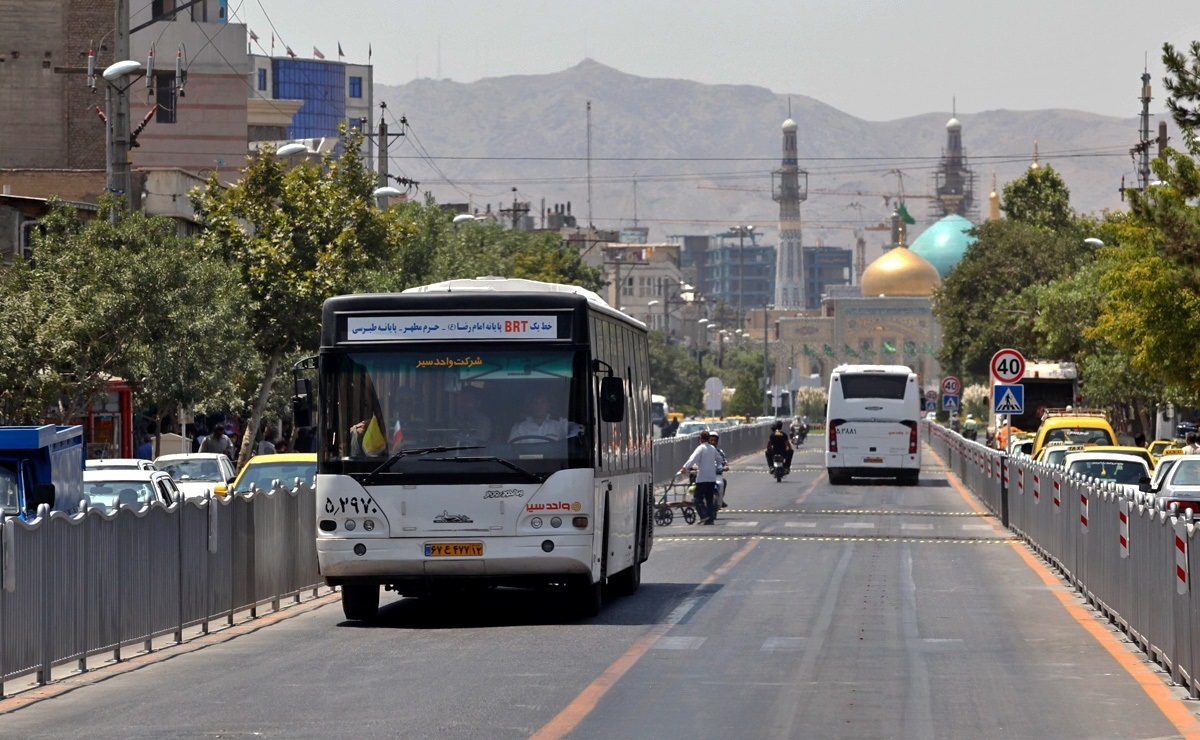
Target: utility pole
1162 138
119 115
1144 144
516 212
766 373
382 163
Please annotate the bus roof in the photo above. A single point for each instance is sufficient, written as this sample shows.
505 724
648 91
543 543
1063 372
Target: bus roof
899 369
493 284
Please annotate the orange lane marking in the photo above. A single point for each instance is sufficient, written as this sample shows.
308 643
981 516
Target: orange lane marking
1171 706
112 670
581 706
810 489
962 490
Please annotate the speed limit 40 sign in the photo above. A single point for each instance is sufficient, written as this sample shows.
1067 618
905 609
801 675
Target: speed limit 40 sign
950 386
1008 366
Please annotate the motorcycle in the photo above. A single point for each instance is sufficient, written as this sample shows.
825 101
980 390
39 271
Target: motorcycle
778 469
799 434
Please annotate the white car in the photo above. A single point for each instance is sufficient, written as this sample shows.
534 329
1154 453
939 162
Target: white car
1179 484
1126 470
198 472
109 489
118 463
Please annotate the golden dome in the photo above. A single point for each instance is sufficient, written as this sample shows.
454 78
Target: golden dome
900 272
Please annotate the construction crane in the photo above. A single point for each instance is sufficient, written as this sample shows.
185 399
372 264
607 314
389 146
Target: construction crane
887 197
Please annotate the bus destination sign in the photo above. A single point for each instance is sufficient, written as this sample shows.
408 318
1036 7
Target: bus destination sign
387 328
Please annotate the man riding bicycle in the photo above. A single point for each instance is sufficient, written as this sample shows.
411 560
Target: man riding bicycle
779 444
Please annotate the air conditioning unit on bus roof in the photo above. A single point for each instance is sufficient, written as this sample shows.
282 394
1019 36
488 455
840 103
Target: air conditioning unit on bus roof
1051 370
492 284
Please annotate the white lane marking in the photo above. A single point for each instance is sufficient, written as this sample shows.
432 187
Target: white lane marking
917 527
740 524
978 527
773 644
859 525
802 525
679 643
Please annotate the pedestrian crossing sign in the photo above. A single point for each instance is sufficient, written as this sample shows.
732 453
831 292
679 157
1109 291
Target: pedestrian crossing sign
949 402
1008 399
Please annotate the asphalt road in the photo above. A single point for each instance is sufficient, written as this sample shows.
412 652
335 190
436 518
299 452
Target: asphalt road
809 610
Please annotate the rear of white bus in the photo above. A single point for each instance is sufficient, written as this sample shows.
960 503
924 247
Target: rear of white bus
872 424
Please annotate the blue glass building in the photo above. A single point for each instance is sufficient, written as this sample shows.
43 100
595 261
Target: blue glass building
322 87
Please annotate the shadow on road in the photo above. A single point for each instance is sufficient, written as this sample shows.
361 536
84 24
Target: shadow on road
512 607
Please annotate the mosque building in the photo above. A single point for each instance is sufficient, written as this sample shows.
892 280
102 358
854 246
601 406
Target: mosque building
888 318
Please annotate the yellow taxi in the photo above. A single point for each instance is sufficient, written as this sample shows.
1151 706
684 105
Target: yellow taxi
1158 446
262 470
1075 427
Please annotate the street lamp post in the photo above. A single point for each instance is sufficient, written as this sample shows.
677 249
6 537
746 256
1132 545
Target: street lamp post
766 375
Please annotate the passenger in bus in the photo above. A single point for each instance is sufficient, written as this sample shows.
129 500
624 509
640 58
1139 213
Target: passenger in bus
541 425
471 418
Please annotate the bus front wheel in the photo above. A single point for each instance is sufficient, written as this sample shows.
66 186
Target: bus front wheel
360 601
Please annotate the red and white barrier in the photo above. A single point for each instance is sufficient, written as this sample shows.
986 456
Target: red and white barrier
1123 515
1057 494
1181 559
1083 508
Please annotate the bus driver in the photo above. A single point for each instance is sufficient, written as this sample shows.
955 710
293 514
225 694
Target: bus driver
541 425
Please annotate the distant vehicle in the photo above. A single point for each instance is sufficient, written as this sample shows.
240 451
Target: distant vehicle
40 465
118 463
689 428
110 489
263 470
658 410
1180 485
1074 426
872 422
198 472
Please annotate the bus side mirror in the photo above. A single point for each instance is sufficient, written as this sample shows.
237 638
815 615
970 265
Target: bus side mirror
302 403
612 399
43 493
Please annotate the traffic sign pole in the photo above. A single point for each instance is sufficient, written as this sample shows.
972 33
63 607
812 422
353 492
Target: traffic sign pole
1007 367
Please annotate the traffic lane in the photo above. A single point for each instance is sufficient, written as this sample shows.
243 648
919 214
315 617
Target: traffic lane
495 666
871 637
875 639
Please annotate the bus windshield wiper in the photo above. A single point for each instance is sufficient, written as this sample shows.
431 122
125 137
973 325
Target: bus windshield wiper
491 458
412 451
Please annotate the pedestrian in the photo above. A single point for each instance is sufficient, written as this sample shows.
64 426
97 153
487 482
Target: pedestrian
1139 440
714 439
704 459
218 442
267 445
1193 444
145 450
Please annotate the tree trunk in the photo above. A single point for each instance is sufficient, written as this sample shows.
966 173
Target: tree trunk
260 406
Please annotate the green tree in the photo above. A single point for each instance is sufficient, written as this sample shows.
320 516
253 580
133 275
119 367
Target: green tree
296 237
674 374
747 395
1040 198
980 305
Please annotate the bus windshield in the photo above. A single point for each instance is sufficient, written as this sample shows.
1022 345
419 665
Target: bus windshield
515 412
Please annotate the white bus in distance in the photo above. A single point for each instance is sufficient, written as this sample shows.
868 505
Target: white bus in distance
872 422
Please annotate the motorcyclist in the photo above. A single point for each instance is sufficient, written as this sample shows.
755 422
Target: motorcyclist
714 439
970 428
779 444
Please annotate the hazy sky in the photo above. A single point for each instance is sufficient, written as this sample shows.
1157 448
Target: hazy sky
873 59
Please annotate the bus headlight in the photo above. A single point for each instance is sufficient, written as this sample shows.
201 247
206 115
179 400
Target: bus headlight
536 522
556 522
350 525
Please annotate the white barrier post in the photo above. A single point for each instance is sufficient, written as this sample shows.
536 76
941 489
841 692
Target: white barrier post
1123 514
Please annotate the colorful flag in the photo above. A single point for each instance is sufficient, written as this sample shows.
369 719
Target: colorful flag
290 53
317 53
373 441
889 348
368 53
340 52
253 35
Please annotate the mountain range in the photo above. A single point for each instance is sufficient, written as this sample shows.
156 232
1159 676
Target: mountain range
699 157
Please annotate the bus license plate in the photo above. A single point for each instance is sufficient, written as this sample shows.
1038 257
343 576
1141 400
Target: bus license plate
453 549
873 460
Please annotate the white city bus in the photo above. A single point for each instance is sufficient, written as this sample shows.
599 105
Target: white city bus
486 432
871 424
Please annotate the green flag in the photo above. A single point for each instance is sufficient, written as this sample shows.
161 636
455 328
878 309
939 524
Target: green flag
829 350
910 349
889 348
928 349
850 350
808 351
904 214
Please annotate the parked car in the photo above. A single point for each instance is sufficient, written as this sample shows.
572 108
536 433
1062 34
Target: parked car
118 463
1180 484
1121 468
110 489
262 470
197 472
689 428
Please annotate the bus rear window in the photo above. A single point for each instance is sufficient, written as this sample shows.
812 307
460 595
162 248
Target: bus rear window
872 385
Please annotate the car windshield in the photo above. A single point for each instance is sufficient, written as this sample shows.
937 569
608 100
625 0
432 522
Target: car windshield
264 474
524 406
108 495
190 470
1187 473
1055 456
1110 470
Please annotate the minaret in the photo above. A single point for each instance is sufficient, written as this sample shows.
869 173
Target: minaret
994 202
787 191
954 181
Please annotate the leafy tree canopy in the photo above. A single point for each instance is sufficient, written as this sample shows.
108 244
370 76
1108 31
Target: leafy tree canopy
1040 198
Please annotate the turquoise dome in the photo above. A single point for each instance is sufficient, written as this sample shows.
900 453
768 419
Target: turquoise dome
945 243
